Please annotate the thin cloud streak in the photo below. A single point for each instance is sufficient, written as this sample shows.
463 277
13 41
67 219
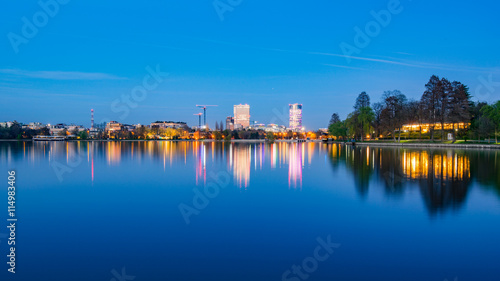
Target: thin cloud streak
343 66
392 61
409 64
60 75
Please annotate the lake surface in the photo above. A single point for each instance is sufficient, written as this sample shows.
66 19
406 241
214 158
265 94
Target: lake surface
219 211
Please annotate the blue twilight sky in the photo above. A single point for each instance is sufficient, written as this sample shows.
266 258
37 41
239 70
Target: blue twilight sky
92 54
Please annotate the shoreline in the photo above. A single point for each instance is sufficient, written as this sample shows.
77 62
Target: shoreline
222 141
431 145
375 144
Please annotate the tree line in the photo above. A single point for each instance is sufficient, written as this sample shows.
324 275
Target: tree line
445 107
16 131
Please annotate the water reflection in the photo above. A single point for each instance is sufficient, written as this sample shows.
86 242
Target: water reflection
241 161
295 166
201 162
443 177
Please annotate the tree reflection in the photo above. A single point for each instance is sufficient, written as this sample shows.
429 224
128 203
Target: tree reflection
445 180
443 177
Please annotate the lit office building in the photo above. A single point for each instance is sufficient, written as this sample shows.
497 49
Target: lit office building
295 117
230 123
241 116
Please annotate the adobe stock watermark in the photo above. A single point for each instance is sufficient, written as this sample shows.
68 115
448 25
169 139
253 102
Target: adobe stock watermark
201 198
121 276
139 93
373 28
486 87
223 6
283 116
49 9
60 169
310 264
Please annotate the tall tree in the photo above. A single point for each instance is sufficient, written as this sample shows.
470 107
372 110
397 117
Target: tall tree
365 118
412 113
335 118
338 129
444 96
363 100
352 124
378 107
394 111
363 115
431 102
492 113
480 124
459 105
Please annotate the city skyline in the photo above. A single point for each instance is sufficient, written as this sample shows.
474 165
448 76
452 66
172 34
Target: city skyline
253 140
72 64
241 119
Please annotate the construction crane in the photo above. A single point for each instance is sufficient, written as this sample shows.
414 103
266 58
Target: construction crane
199 119
204 113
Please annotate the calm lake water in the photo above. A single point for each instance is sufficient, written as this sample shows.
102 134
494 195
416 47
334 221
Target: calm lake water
217 211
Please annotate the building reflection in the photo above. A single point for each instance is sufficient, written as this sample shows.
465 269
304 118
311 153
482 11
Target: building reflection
114 153
201 162
295 163
443 176
442 167
444 181
240 163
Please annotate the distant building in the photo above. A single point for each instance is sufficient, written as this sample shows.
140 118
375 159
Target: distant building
73 128
295 117
168 124
94 132
241 116
55 130
229 123
128 127
426 127
35 125
113 126
6 124
275 128
100 126
257 126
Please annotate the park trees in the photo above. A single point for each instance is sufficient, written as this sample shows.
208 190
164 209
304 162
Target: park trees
492 113
365 118
335 119
459 109
431 102
337 128
359 122
393 113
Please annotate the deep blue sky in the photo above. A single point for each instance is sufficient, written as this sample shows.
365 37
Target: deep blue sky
264 53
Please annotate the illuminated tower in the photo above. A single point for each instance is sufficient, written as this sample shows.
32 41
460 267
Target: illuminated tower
241 116
295 117
91 119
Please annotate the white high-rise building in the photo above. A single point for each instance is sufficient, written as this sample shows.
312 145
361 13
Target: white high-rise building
241 116
295 117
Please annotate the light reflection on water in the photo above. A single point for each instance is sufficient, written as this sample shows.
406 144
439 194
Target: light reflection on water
119 200
442 175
